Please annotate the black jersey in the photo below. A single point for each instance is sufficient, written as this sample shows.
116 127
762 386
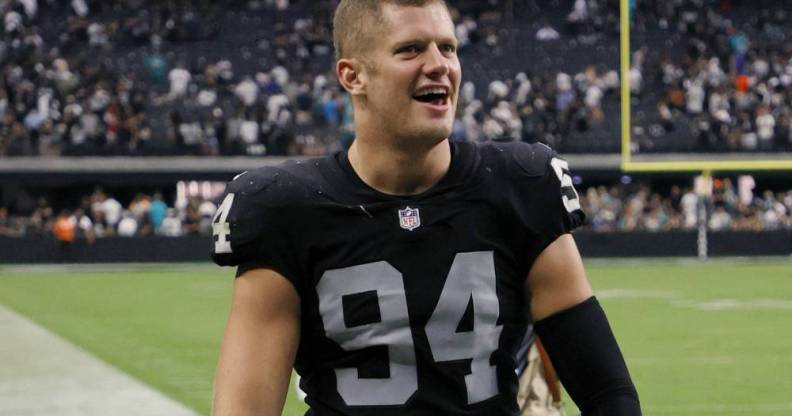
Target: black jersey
410 304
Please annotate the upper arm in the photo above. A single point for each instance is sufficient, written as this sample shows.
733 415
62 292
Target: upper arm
259 346
557 280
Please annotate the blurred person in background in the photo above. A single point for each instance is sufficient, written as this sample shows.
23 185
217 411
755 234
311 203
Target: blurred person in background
85 226
157 212
65 228
7 224
128 225
171 224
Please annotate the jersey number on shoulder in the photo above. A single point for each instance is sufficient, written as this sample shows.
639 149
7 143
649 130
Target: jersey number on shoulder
221 229
470 280
568 193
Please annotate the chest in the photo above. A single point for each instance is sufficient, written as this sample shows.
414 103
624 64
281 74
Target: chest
414 256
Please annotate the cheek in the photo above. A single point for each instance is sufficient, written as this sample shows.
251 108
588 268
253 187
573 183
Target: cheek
456 72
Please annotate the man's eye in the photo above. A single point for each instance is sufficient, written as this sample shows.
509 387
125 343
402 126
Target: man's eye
448 48
409 49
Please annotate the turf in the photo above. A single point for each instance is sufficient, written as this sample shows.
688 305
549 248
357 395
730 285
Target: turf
700 338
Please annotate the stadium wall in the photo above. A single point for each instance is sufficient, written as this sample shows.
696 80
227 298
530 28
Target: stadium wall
196 248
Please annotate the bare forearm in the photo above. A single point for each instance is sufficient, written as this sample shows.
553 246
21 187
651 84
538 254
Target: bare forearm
259 347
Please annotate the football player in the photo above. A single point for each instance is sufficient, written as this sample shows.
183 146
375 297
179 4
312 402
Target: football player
399 278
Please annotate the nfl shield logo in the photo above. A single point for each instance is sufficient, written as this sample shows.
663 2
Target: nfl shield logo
409 218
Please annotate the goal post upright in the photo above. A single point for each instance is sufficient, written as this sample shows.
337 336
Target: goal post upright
624 49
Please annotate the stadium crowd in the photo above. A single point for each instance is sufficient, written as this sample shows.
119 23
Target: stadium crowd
638 208
618 208
102 215
253 77
728 87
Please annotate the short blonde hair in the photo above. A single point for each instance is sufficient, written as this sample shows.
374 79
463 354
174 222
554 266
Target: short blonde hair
357 22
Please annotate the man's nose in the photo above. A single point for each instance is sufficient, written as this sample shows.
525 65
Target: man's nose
436 63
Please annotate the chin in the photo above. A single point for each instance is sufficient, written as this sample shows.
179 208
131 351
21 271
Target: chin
435 135
428 134
437 132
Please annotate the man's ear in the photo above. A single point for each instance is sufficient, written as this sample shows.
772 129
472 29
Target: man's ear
350 76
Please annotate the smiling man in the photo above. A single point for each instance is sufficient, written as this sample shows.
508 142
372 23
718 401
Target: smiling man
400 277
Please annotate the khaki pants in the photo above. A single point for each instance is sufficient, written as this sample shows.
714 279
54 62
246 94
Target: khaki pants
533 395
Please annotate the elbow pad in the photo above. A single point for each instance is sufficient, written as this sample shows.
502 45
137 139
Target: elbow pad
588 361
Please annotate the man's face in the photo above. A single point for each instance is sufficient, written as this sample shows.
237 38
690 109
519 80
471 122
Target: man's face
414 74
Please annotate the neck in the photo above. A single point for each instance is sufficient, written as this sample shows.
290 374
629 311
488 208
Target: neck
398 171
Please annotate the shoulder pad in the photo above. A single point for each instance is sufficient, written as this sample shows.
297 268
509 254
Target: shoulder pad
253 181
533 158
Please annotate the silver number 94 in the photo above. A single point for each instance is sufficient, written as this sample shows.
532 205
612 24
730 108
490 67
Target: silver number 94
471 279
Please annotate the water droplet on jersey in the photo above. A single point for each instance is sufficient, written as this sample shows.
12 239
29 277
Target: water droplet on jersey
316 164
489 169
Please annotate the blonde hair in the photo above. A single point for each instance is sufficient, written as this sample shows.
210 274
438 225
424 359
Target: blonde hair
357 22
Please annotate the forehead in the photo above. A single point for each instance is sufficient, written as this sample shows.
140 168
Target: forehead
407 22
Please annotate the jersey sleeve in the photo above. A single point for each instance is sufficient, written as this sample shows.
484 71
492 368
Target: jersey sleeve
248 227
543 195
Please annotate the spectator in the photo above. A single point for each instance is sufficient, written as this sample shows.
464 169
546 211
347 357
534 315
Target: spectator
206 210
547 33
247 92
720 219
65 228
157 212
179 79
171 225
128 226
6 224
84 226
765 124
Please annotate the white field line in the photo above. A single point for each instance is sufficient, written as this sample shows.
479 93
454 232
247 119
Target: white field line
619 293
735 304
42 374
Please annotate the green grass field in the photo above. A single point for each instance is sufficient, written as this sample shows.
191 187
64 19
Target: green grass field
700 338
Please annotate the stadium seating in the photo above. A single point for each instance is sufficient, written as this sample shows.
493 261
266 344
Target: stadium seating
234 77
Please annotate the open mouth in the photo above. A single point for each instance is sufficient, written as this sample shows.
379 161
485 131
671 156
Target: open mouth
436 97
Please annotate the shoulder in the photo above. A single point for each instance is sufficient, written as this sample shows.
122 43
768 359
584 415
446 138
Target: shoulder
253 181
283 184
518 157
254 220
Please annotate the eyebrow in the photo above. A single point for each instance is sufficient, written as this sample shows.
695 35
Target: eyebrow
424 40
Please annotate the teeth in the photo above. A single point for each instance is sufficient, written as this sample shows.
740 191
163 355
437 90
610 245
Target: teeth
431 91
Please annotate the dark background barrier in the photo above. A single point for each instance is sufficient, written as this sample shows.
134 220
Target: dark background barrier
684 243
196 248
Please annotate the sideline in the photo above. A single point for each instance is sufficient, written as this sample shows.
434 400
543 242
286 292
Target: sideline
42 374
203 266
153 267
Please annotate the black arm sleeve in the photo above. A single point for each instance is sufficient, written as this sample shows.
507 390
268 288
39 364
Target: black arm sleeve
588 361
